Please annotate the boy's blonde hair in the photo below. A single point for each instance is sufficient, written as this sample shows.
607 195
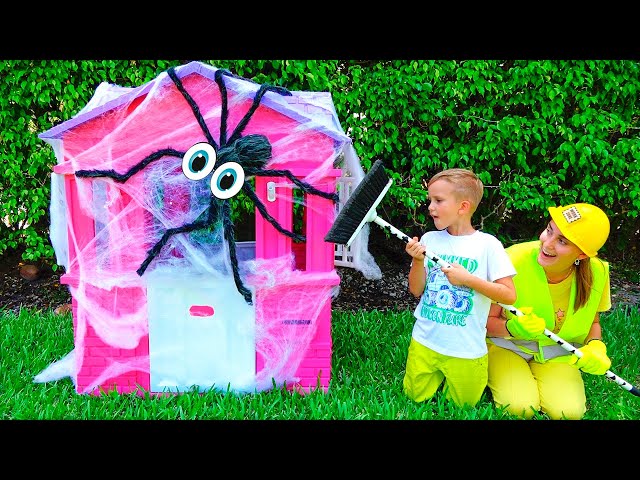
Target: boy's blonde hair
466 185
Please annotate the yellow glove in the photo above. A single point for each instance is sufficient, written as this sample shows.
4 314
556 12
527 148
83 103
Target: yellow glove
527 326
594 358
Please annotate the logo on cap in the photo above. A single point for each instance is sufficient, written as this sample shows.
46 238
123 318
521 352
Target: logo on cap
571 214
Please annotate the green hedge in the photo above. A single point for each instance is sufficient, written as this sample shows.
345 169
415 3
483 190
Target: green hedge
538 133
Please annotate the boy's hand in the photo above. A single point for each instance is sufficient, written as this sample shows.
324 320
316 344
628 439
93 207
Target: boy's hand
527 326
415 248
456 274
594 358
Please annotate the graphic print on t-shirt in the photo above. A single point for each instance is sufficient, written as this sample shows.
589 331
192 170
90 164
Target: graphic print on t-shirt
444 302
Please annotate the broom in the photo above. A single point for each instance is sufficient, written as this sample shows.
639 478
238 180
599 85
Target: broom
360 209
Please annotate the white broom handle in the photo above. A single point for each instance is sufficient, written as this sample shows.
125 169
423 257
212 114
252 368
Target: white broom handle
548 333
387 226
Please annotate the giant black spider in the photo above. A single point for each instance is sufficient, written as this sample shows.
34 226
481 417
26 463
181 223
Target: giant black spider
232 161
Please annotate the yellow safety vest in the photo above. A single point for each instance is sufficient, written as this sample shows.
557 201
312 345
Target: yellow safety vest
533 291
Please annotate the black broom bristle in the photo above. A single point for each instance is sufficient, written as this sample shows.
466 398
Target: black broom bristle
365 198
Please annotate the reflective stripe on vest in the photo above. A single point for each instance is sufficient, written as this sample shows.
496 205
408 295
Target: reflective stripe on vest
531 349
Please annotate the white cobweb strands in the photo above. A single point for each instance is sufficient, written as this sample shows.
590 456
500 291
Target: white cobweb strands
146 249
287 321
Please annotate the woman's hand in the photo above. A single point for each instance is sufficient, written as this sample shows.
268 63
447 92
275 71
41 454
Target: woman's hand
527 326
594 358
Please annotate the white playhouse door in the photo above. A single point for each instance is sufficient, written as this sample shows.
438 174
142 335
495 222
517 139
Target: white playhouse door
201 335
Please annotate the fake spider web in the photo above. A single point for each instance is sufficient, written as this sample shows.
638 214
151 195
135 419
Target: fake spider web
103 237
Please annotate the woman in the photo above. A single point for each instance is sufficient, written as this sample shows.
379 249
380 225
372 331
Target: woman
562 286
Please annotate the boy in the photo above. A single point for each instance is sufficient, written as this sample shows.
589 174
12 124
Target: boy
448 338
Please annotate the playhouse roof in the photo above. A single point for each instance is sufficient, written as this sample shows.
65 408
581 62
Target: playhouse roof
301 106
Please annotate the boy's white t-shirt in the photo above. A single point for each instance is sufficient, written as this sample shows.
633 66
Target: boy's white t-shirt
450 319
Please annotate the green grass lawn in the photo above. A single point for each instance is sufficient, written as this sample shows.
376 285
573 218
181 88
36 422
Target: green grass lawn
369 352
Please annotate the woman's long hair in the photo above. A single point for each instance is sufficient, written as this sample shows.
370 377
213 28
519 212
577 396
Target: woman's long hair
584 279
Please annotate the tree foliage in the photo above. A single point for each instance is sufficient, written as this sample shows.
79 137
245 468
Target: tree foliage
538 133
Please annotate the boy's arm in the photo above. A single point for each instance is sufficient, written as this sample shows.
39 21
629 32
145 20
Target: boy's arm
417 277
502 290
496 322
417 274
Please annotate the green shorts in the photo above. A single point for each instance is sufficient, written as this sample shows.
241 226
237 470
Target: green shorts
464 379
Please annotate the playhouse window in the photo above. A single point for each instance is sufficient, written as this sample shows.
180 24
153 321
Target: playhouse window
343 255
299 227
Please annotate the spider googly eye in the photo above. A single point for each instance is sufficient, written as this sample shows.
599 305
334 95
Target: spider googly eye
227 180
199 161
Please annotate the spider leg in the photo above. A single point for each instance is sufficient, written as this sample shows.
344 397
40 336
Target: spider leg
224 113
194 106
254 106
123 177
151 254
306 187
248 190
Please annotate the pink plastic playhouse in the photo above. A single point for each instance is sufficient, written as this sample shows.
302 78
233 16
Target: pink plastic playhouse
166 296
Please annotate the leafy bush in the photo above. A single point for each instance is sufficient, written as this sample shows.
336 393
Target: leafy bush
538 133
